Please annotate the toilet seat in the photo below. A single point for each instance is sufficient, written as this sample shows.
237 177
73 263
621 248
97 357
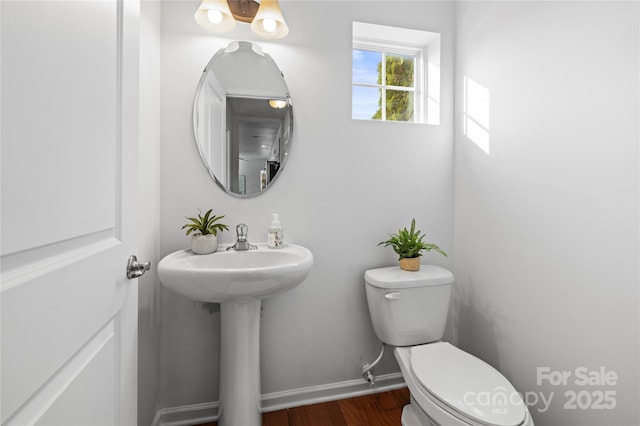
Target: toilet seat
466 386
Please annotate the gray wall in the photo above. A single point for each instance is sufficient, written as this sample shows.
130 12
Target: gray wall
347 185
546 225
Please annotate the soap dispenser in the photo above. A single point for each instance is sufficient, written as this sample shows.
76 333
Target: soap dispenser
276 236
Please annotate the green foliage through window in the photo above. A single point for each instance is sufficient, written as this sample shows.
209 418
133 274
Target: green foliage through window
394 85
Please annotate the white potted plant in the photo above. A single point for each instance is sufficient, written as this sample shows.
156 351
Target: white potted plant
408 245
205 232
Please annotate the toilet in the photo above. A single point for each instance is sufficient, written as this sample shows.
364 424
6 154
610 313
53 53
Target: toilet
448 386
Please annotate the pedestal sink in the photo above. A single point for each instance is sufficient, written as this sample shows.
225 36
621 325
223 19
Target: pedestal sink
238 280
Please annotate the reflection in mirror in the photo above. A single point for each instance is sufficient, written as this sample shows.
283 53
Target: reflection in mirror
256 132
243 119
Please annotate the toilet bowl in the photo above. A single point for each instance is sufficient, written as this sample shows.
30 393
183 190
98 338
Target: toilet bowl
448 386
451 387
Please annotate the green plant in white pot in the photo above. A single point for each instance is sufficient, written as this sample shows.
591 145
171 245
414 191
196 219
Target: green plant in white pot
409 245
205 232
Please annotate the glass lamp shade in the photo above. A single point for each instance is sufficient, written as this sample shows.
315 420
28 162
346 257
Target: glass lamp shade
269 22
214 15
277 103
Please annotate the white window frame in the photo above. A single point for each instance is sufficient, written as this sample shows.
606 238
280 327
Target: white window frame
386 49
394 40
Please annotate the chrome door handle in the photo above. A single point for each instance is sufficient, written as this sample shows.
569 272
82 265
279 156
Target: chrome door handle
136 269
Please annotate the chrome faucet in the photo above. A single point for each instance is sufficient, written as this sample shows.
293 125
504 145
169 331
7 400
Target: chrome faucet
241 243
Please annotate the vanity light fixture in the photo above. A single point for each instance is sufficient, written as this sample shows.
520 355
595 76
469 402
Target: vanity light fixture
277 103
265 16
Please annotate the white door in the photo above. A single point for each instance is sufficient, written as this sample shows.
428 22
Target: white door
69 160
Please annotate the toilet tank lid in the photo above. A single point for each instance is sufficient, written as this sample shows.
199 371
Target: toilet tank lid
394 277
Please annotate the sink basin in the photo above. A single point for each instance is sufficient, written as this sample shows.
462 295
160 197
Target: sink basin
238 280
227 275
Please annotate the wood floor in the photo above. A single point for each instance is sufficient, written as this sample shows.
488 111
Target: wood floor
380 409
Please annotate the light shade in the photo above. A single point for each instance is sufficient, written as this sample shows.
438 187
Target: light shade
278 103
214 15
269 22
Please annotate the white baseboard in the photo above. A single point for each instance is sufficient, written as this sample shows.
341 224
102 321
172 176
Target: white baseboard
187 415
330 392
208 412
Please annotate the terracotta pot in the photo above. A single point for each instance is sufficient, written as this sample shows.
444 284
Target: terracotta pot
204 244
410 264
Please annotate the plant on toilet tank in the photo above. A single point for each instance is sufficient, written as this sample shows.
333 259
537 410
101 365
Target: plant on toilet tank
205 232
409 245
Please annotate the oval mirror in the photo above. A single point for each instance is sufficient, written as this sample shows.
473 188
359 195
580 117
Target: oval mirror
243 120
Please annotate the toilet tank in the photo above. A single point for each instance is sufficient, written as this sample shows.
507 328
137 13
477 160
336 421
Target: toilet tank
408 308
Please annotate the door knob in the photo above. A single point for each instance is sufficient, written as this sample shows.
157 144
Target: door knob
136 269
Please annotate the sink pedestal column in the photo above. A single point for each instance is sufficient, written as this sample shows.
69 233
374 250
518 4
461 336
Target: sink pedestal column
240 397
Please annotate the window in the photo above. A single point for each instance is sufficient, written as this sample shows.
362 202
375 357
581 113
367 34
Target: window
383 85
395 74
